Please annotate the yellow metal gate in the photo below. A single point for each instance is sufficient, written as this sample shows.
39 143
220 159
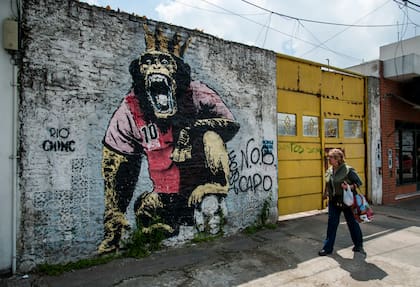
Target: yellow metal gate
318 108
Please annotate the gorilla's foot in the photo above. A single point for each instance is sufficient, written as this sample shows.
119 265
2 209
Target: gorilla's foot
165 227
107 245
115 224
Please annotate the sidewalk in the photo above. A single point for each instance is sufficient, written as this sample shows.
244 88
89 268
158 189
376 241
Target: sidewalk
285 256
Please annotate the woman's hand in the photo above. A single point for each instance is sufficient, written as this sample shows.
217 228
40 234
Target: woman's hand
345 185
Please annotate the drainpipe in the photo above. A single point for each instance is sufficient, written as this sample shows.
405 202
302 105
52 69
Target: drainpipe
368 141
14 158
15 141
322 136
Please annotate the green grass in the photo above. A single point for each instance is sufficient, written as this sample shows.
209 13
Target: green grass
252 229
142 244
57 269
261 220
205 237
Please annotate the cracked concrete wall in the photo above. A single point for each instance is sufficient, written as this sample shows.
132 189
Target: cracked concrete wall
374 130
74 75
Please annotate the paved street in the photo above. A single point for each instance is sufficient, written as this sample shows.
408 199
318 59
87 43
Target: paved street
285 256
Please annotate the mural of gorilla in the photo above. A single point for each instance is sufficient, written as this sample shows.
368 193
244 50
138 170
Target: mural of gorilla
180 127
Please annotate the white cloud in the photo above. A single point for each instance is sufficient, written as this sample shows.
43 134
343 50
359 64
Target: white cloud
92 2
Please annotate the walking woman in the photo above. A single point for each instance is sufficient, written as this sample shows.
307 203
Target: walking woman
339 175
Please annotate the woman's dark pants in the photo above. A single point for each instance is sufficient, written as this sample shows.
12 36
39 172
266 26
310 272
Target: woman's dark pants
334 213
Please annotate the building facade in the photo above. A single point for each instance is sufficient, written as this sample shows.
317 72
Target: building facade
126 123
395 89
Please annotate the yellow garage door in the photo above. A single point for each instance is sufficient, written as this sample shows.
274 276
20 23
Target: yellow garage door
318 108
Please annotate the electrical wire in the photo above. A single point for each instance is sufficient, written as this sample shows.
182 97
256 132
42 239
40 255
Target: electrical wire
348 27
12 9
268 28
313 35
401 3
401 6
404 25
213 11
261 30
412 22
400 37
295 32
319 22
283 33
412 3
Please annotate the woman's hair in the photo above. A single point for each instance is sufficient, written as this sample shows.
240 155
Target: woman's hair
337 154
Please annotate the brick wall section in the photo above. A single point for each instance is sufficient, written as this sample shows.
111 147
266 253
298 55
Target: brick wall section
73 76
393 109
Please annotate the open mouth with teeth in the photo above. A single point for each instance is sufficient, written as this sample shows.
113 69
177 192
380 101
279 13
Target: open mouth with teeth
161 95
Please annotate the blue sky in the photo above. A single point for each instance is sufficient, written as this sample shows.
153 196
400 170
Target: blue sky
290 27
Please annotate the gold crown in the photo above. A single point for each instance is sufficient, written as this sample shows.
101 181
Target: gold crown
158 41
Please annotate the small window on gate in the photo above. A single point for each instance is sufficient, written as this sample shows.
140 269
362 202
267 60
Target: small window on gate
310 126
331 128
286 124
353 129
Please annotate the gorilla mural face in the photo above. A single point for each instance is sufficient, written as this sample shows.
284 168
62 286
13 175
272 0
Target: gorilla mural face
158 70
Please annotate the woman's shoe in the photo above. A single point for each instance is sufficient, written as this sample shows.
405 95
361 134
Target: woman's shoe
359 249
323 252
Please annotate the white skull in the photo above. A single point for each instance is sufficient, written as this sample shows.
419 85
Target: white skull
209 214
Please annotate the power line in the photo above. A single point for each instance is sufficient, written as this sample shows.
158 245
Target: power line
412 3
404 4
312 34
319 22
262 28
348 27
278 31
213 11
266 32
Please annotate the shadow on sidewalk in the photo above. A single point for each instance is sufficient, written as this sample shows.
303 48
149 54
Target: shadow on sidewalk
359 269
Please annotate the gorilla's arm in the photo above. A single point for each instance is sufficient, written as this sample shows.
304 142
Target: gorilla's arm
217 161
120 173
226 128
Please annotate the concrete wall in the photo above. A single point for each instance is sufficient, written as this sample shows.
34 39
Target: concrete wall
6 147
374 140
400 48
370 69
401 60
75 74
375 157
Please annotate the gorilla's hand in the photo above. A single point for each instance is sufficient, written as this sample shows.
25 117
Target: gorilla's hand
182 150
209 188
